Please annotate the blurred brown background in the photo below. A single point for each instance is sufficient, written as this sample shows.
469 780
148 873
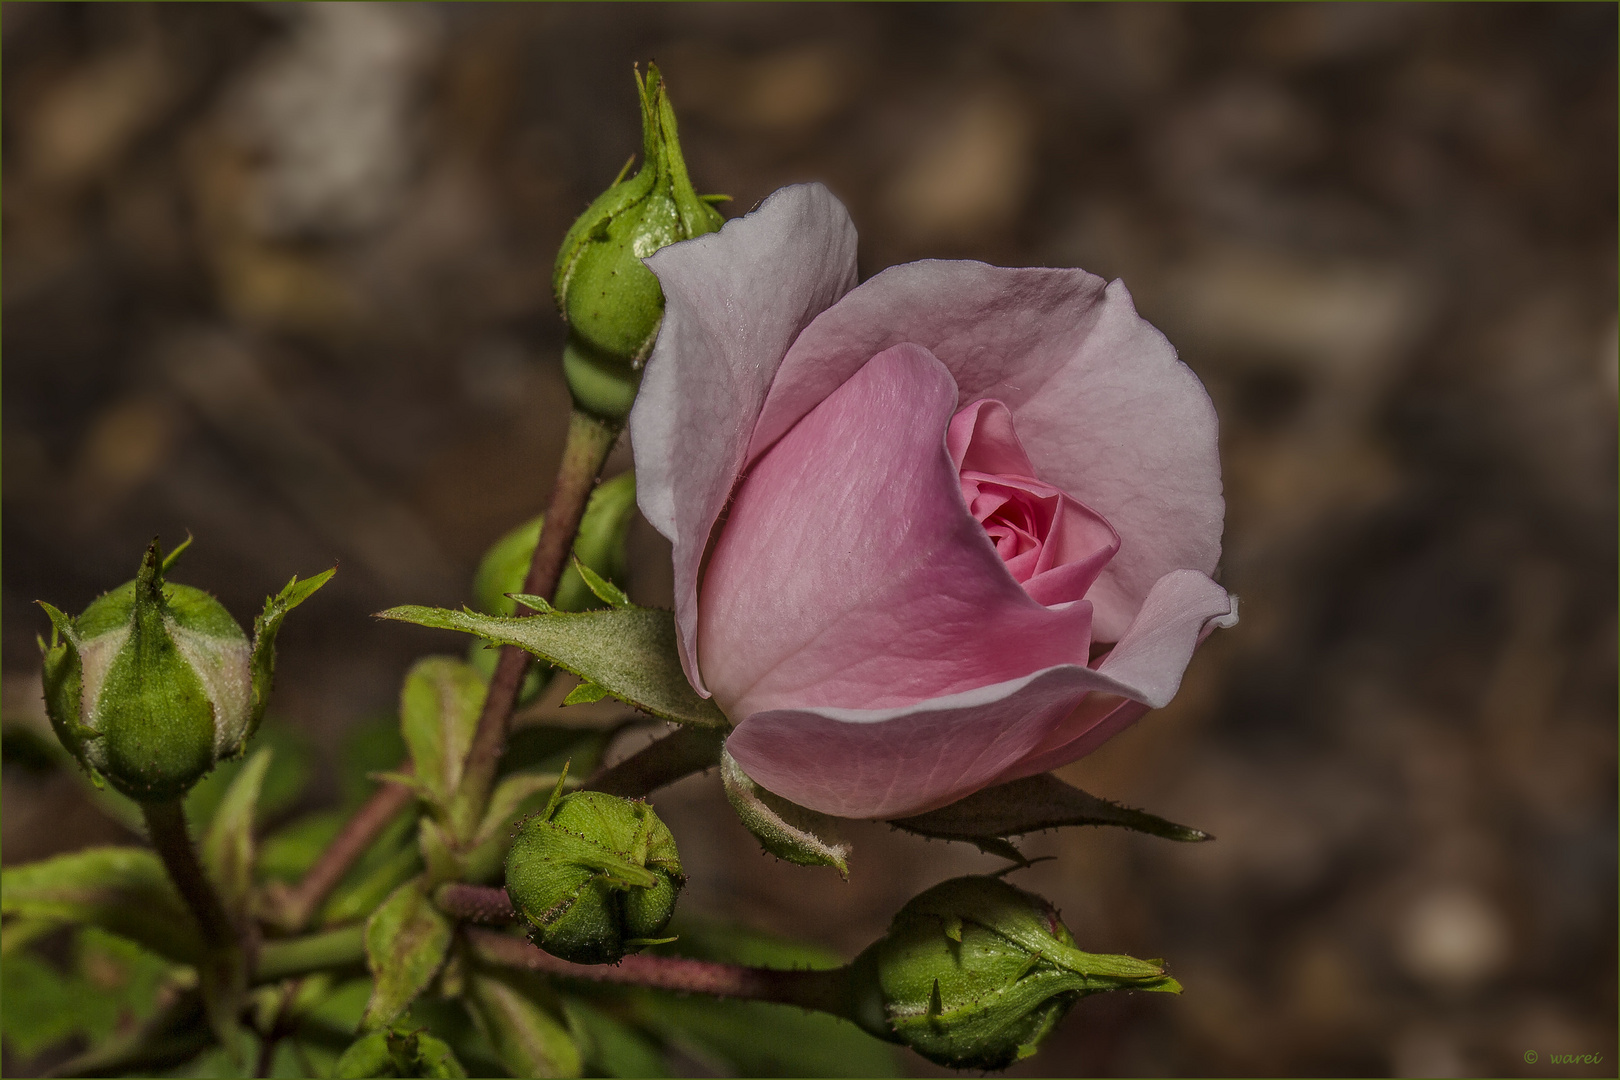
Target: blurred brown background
280 275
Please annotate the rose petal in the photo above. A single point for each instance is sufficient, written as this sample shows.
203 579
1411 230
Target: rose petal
1182 609
1101 404
894 762
849 573
1078 542
733 303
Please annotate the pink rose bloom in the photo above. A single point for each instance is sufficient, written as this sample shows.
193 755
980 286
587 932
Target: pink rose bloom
943 530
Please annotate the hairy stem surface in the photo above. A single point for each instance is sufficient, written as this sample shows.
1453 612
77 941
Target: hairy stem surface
166 823
589 441
476 903
679 754
824 991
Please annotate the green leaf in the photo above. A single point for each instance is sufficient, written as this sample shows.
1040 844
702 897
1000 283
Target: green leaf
371 746
42 1005
986 818
444 860
585 693
509 799
749 1038
391 860
112 984
16 933
784 829
438 714
227 846
398 1053
754 1038
518 1014
548 747
733 943
336 1011
417 1053
289 774
604 590
122 974
407 940
367 1056
265 628
175 1035
289 852
599 545
122 890
610 1046
451 1020
628 651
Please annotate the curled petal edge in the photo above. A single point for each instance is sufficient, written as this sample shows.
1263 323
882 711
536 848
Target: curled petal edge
884 763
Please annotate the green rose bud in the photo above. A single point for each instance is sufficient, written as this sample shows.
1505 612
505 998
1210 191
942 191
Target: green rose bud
155 682
595 875
611 302
974 973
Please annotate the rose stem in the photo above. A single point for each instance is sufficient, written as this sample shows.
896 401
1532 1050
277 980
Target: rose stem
279 1027
295 905
825 991
589 440
166 823
285 958
680 753
476 903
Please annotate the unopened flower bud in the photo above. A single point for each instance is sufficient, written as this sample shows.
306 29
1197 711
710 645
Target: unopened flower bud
155 683
612 303
596 876
975 972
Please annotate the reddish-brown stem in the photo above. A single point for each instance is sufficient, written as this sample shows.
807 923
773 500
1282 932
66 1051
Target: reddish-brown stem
826 991
166 823
296 905
476 903
589 441
678 754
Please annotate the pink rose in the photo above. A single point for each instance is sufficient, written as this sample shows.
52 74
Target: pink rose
943 530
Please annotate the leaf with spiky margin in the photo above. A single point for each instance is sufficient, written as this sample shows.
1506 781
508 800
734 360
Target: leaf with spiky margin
628 651
265 628
604 590
986 818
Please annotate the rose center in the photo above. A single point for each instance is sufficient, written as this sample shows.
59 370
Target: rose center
1052 543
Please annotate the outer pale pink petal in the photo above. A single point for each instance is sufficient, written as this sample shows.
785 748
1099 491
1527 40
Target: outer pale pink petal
895 762
733 303
1101 404
1182 609
849 573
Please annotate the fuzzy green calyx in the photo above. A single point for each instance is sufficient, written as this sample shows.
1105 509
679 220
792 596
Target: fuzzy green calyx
155 682
151 685
596 876
612 303
975 972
